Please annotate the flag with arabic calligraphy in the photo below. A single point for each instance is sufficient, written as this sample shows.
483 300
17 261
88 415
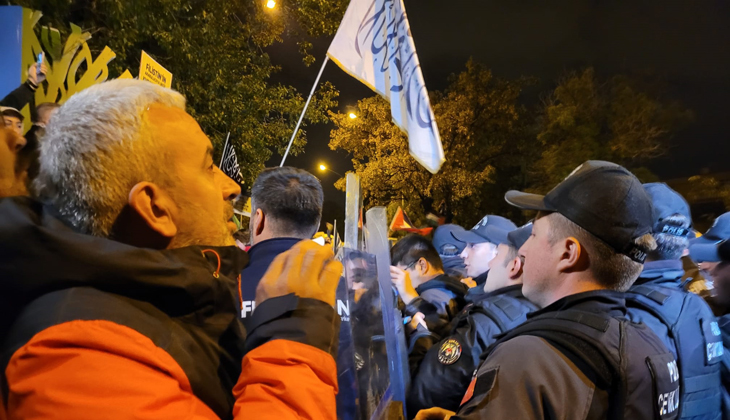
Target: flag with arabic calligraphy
374 45
229 163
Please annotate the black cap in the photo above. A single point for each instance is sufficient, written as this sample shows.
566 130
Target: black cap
603 198
491 228
667 202
519 236
444 241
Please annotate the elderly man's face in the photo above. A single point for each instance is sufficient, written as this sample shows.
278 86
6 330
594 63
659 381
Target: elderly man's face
14 124
11 183
202 192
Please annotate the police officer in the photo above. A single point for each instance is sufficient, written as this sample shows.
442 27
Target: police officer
418 274
480 247
712 251
441 375
578 357
682 319
450 250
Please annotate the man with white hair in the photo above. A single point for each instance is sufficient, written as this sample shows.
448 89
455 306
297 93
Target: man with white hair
119 294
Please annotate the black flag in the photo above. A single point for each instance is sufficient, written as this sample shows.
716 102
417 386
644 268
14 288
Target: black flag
229 162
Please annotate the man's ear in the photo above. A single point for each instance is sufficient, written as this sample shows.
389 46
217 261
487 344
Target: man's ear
259 222
514 269
155 208
571 253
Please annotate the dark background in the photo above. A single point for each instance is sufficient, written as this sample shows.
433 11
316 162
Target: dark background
686 43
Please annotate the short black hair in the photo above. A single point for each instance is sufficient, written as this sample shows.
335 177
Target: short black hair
291 199
412 248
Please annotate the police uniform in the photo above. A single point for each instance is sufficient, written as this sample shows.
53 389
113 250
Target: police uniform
682 320
442 371
576 359
580 357
440 300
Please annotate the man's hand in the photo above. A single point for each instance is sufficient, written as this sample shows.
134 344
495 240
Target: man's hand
34 76
402 281
308 270
434 414
418 319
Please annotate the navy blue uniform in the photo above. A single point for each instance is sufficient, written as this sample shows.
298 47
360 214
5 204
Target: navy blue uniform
441 372
686 325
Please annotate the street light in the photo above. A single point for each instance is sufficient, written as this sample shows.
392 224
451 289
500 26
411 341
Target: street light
323 168
352 115
271 4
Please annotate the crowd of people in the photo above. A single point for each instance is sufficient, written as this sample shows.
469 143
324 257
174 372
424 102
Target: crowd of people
124 293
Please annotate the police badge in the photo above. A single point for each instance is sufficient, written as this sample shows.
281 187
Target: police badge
449 352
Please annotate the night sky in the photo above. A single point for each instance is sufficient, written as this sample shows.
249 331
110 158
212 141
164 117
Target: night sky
686 43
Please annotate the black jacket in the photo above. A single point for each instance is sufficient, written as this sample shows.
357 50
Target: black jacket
440 300
578 358
440 380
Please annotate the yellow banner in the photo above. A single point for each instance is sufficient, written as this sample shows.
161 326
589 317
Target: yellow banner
151 71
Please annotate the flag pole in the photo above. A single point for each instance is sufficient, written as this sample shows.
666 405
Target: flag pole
223 155
301 117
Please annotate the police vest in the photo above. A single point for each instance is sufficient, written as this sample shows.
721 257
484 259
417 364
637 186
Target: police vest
627 359
687 323
506 310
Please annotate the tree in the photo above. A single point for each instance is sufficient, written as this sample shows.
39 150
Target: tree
619 120
215 49
483 132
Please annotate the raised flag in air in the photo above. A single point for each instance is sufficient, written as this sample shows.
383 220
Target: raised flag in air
229 162
402 222
375 46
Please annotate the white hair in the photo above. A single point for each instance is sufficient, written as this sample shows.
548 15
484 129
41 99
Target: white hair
96 148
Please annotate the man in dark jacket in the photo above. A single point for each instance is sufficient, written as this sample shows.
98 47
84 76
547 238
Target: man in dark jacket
441 372
418 274
25 93
119 297
578 357
286 207
682 319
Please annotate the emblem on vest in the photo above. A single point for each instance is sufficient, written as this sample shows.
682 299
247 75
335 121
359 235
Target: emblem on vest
449 352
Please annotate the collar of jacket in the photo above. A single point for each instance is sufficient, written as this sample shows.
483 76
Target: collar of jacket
270 248
514 290
443 281
39 254
663 271
603 301
481 279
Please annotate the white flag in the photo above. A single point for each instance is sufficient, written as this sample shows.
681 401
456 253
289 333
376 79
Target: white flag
374 45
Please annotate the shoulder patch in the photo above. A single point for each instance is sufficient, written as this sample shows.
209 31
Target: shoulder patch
449 352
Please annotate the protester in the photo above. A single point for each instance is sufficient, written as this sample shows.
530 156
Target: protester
450 250
12 181
418 274
25 93
682 319
119 300
286 207
13 119
481 247
441 375
578 357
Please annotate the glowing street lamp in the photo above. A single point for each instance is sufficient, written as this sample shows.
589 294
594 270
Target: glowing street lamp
352 115
323 168
271 4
